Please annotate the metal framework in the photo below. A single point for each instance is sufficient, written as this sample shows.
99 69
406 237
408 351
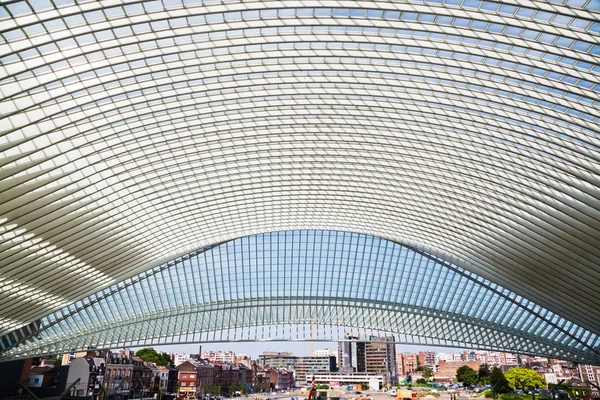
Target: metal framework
273 286
135 132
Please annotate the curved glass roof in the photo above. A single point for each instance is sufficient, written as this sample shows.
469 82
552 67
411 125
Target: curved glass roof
136 132
271 286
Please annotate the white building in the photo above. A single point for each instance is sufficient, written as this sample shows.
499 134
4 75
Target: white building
219 356
550 376
163 376
375 380
325 353
447 357
180 359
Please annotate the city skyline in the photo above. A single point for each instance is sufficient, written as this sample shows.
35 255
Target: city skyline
297 348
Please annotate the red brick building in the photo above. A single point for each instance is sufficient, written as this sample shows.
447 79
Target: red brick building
188 378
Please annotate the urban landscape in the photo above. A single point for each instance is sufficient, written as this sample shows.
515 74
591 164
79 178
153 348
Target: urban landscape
360 368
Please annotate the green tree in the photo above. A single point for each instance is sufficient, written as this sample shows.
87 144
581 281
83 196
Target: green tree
498 382
524 379
467 376
484 374
216 389
151 355
206 388
427 372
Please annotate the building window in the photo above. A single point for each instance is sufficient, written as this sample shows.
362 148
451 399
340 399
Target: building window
191 376
183 384
37 380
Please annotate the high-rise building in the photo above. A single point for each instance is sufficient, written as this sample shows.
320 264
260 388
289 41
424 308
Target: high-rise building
381 355
370 354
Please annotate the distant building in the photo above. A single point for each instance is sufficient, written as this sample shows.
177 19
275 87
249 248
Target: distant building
179 359
302 367
119 373
590 374
189 384
446 370
306 367
352 355
219 356
325 353
285 379
448 357
509 359
374 380
163 377
265 379
427 358
381 355
369 354
469 356
242 358
277 360
406 364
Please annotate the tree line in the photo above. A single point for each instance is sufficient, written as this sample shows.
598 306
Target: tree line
515 378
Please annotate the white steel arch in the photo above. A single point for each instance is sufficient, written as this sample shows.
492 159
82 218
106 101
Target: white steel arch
136 132
275 286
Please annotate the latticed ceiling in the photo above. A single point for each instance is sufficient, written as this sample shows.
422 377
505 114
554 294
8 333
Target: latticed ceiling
136 132
272 286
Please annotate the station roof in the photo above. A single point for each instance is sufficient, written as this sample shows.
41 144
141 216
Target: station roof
135 132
